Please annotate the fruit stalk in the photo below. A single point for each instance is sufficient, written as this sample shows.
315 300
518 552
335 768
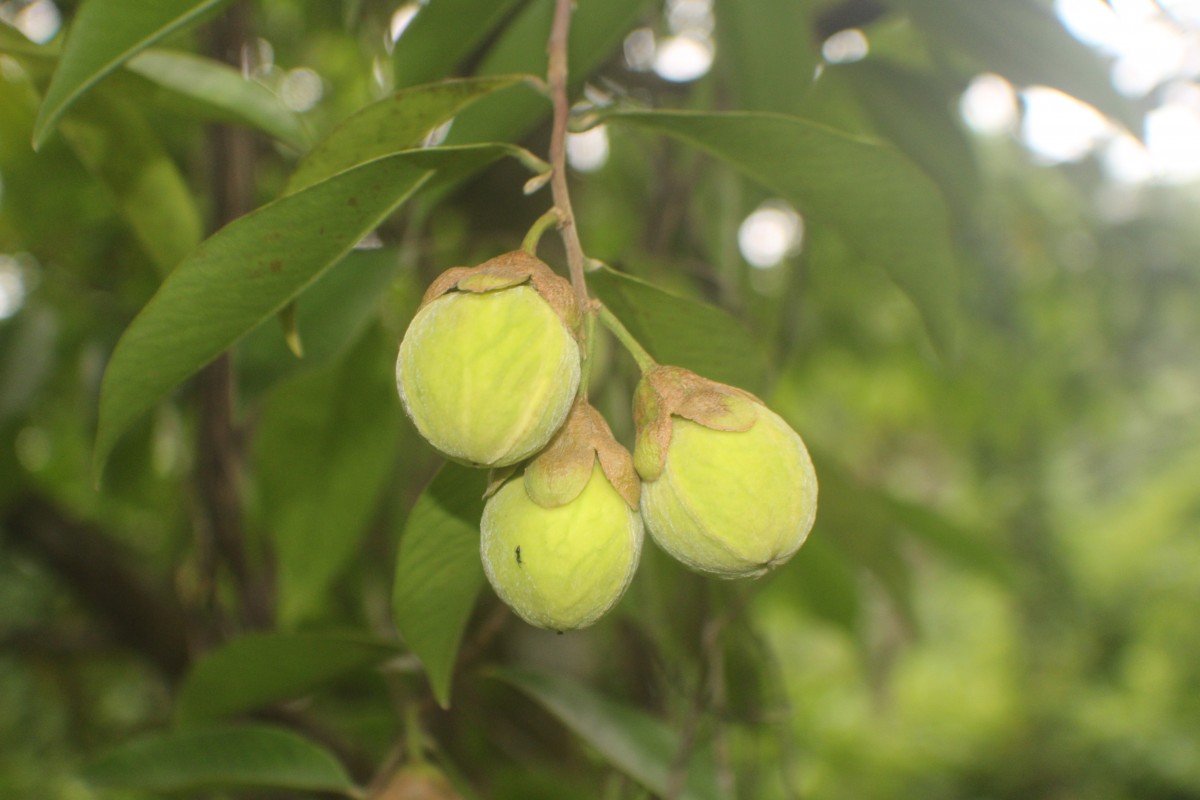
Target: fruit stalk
644 360
556 76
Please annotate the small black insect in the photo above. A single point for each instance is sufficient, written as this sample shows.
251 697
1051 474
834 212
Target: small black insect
518 554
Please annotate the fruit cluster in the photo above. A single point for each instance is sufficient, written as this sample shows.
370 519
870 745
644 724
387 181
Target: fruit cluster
490 373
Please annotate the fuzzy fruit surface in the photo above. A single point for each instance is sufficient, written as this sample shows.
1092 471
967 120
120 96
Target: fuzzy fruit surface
574 562
488 378
733 504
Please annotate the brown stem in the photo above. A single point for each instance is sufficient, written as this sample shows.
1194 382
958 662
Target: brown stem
232 156
557 79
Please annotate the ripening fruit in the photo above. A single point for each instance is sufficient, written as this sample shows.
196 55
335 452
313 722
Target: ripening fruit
735 494
561 544
488 367
561 568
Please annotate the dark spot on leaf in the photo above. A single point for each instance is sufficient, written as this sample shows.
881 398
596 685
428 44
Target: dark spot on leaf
274 236
353 201
518 554
276 266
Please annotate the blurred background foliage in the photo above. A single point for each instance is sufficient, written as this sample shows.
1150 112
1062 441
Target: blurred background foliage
999 599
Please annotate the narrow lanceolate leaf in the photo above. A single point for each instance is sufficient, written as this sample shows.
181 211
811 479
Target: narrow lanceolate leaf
262 668
885 207
249 270
223 93
115 142
234 757
394 123
103 35
639 745
442 35
325 448
438 572
683 332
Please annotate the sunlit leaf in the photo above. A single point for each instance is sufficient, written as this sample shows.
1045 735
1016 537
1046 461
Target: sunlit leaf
676 330
882 205
223 92
252 268
438 571
641 746
102 36
258 669
245 756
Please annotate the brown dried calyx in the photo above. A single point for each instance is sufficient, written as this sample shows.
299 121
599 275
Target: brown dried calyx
504 271
666 391
560 472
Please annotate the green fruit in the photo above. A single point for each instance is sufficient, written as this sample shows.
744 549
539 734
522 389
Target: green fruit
488 376
561 568
735 494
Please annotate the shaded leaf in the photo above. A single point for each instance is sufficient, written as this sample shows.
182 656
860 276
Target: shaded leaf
102 36
916 112
115 142
820 578
217 757
1023 41
442 35
326 446
249 270
641 746
258 669
394 123
882 205
330 316
438 571
597 29
223 93
770 53
682 332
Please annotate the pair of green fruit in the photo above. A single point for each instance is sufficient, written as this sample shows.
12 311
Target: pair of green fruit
489 371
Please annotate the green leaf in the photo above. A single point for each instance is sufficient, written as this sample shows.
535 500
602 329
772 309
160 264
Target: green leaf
768 52
223 93
331 315
12 42
442 35
244 756
394 123
326 446
597 29
438 572
249 270
641 746
683 332
114 141
820 578
913 110
103 35
258 669
1022 41
885 208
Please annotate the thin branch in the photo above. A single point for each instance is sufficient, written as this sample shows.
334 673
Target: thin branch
219 457
97 570
557 79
